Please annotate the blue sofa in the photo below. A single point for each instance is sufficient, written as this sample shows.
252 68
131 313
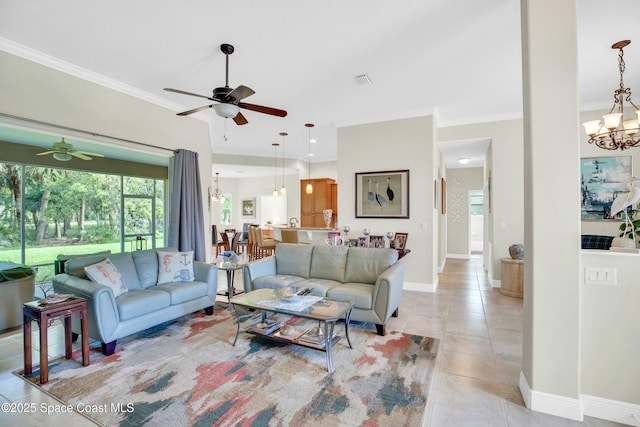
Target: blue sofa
371 278
146 303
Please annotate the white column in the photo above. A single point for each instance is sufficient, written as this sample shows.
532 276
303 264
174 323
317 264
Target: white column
550 380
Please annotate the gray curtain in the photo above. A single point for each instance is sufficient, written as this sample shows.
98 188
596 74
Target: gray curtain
186 220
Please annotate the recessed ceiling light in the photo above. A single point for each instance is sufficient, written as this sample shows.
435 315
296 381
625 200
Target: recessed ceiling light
311 154
313 141
464 160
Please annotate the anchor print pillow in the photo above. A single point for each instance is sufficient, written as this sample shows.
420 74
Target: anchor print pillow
175 267
107 274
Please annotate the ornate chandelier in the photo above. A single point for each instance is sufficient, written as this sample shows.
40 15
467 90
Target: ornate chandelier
616 132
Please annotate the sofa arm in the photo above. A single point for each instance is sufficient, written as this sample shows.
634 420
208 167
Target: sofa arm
388 291
207 273
254 269
101 304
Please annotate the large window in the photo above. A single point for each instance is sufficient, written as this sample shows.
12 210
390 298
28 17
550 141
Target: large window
225 210
48 211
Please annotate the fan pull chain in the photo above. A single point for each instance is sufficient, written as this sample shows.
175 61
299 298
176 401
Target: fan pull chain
225 130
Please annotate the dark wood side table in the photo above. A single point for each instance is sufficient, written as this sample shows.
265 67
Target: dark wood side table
45 314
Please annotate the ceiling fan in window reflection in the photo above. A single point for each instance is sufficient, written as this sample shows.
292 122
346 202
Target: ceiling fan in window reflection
229 100
64 151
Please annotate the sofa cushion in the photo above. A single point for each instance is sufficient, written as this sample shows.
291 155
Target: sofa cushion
276 281
175 266
293 259
146 263
184 291
364 265
106 274
329 262
124 262
360 294
319 287
75 266
139 302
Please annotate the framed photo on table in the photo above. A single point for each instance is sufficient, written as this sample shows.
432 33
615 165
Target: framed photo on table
400 240
383 194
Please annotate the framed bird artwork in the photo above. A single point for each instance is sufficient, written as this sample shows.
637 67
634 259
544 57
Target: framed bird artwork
603 179
383 194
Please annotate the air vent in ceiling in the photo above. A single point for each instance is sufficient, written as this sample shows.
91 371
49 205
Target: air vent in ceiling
363 79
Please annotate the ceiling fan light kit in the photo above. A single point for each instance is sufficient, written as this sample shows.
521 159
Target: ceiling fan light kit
229 99
616 132
63 157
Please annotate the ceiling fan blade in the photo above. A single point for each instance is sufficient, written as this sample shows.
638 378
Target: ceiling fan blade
168 89
241 92
88 153
195 110
79 155
263 109
240 119
46 152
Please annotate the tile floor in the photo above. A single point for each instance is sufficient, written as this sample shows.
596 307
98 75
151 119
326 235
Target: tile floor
477 369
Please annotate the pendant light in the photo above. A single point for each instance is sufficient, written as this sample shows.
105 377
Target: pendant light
283 190
309 188
275 170
217 195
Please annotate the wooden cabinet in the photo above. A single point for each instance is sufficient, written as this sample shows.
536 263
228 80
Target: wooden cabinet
324 196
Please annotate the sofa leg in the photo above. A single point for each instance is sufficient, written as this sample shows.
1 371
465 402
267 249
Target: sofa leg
380 329
74 337
209 310
395 313
109 348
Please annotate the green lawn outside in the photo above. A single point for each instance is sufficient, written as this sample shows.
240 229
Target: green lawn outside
47 254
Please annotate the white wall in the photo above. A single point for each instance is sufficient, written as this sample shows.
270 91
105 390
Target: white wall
393 145
609 363
459 182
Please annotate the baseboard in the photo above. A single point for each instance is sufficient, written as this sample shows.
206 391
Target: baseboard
560 406
496 283
459 256
611 410
420 287
574 409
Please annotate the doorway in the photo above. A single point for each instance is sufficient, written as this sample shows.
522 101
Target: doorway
476 222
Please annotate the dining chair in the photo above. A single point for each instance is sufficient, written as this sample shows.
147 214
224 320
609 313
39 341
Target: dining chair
289 236
215 241
266 245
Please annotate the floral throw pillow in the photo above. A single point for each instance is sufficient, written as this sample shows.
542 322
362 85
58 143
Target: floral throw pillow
107 274
175 267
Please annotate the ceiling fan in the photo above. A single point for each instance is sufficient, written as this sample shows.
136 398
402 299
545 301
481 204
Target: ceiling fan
63 151
229 99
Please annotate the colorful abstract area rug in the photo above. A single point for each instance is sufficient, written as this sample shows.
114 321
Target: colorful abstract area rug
187 373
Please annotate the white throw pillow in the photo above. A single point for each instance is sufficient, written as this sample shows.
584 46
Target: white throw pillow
107 274
175 267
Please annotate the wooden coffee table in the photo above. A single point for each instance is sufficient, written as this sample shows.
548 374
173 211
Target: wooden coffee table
326 311
45 314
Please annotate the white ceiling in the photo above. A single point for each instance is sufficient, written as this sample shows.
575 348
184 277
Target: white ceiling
459 60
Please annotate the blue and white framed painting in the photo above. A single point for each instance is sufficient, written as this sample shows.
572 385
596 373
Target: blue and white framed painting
602 179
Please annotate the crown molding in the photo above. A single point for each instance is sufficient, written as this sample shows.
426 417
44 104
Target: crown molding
49 61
